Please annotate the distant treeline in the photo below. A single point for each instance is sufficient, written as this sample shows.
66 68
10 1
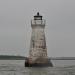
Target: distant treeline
12 57
8 57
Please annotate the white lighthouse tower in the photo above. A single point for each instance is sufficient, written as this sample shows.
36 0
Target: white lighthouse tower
38 50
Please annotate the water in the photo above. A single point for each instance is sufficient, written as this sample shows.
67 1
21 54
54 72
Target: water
16 67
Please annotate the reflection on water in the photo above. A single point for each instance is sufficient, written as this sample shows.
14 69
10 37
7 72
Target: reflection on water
16 67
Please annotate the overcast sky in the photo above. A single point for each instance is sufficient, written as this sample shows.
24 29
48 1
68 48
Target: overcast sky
15 26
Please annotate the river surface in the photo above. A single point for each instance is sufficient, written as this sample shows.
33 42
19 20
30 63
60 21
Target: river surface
16 67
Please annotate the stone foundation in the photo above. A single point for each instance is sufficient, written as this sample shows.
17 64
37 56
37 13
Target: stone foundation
49 64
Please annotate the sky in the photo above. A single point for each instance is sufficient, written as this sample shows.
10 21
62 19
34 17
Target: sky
15 26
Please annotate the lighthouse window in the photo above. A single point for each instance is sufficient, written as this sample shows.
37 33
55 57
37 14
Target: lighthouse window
43 47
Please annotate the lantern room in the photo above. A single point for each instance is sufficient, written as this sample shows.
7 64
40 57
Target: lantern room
38 16
38 20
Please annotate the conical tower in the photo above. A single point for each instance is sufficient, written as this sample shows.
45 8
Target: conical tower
38 50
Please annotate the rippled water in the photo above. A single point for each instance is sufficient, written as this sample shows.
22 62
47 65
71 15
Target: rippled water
17 68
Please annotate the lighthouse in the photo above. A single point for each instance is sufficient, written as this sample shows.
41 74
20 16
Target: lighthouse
38 50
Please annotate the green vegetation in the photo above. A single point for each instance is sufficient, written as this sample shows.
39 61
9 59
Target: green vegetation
11 57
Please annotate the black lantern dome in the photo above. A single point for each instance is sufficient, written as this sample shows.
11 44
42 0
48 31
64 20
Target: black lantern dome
38 16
